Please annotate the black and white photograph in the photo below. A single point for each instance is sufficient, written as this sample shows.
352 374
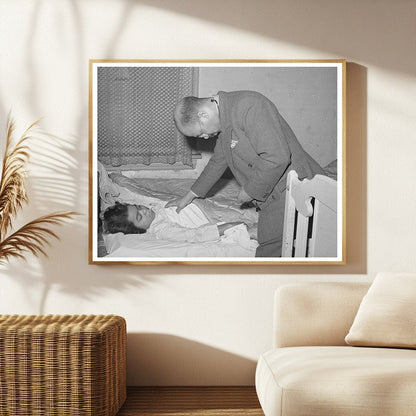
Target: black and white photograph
217 162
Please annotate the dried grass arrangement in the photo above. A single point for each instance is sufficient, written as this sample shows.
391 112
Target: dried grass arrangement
34 236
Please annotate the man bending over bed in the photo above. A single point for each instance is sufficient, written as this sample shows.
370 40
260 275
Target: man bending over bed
259 147
189 225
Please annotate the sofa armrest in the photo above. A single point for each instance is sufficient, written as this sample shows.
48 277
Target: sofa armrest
308 314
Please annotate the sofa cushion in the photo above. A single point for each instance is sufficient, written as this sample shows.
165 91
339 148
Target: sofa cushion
387 314
304 381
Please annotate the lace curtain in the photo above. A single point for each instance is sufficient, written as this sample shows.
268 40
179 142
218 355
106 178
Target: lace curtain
135 122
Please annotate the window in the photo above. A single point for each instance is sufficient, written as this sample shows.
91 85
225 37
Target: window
135 115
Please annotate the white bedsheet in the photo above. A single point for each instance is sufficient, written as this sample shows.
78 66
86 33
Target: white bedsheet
234 243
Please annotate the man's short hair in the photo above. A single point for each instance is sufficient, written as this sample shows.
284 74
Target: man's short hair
186 113
116 221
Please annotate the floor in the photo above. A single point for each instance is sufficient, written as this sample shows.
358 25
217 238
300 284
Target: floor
187 401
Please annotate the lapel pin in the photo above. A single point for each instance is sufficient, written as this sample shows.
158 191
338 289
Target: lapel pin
233 143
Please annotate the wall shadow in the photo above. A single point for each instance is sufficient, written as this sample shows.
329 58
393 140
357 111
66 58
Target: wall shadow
356 168
168 360
334 27
53 187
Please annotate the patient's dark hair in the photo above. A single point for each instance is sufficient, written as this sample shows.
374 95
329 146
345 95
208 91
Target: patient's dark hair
115 221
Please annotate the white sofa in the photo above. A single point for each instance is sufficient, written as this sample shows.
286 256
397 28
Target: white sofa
311 370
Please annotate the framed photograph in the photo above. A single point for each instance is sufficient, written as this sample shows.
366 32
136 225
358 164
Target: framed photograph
217 162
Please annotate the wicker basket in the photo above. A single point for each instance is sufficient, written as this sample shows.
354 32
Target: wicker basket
71 365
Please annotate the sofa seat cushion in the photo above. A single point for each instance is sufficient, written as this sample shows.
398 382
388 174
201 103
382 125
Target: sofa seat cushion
305 381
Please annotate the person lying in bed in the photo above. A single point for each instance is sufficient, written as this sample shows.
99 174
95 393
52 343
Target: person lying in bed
189 225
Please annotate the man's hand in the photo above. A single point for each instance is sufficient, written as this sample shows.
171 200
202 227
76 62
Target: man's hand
243 196
181 202
224 227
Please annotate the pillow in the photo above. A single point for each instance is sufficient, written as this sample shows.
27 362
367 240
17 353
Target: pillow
387 314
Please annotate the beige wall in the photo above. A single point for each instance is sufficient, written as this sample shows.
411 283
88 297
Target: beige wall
206 324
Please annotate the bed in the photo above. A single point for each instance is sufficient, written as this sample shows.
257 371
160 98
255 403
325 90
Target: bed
310 226
220 206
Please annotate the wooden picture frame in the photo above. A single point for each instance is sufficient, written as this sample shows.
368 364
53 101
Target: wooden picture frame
137 155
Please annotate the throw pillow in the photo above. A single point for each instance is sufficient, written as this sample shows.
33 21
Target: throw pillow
387 314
